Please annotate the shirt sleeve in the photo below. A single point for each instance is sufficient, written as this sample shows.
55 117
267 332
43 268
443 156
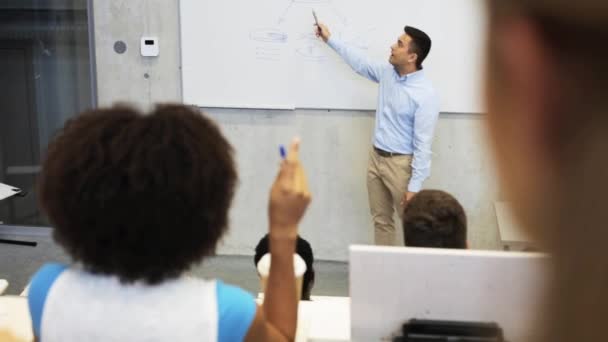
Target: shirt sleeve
357 61
425 120
39 288
236 311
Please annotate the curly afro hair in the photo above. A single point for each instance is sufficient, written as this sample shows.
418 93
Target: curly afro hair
139 196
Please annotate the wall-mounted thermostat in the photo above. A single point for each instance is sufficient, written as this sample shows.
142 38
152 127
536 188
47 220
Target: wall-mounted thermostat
149 46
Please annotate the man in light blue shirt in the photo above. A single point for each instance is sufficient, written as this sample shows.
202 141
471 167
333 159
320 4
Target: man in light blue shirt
408 108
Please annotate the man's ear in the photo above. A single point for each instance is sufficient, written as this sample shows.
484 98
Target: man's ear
413 58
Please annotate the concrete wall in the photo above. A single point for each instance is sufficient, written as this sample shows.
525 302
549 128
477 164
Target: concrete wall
128 76
335 143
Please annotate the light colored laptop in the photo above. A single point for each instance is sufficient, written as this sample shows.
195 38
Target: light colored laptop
390 285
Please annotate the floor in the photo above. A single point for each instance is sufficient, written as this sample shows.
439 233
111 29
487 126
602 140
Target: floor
18 263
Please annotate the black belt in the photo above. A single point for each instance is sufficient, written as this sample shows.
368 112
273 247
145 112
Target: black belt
384 153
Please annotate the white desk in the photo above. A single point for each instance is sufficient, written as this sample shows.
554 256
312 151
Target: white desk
323 319
15 317
328 318
512 236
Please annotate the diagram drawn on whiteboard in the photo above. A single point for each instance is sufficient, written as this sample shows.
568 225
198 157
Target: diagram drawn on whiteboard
272 42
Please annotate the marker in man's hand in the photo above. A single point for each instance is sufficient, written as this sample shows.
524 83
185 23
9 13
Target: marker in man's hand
316 22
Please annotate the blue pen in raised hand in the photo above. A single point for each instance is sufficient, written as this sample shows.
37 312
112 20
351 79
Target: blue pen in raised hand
282 151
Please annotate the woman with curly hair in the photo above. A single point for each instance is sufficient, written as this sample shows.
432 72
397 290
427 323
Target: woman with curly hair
136 200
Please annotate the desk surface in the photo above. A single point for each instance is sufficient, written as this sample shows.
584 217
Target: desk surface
328 318
322 319
15 317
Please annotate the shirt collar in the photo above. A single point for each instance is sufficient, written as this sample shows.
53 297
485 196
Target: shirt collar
414 76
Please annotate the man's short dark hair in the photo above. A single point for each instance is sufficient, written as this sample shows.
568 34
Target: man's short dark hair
142 197
304 250
434 218
420 45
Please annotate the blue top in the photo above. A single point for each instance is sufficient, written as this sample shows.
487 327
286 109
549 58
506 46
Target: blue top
407 111
236 307
39 288
236 311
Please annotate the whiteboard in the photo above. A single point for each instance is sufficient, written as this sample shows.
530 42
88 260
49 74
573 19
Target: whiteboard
264 54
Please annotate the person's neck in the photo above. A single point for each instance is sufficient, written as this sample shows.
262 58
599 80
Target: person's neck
406 69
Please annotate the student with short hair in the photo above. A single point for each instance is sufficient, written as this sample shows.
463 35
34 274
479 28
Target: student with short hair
434 218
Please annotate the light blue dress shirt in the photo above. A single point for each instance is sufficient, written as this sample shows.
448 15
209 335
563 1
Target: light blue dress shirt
407 112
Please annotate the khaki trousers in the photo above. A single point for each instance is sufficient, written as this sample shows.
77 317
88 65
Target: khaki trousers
387 180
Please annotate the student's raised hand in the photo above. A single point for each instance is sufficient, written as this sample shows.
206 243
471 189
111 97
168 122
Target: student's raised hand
289 195
322 31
